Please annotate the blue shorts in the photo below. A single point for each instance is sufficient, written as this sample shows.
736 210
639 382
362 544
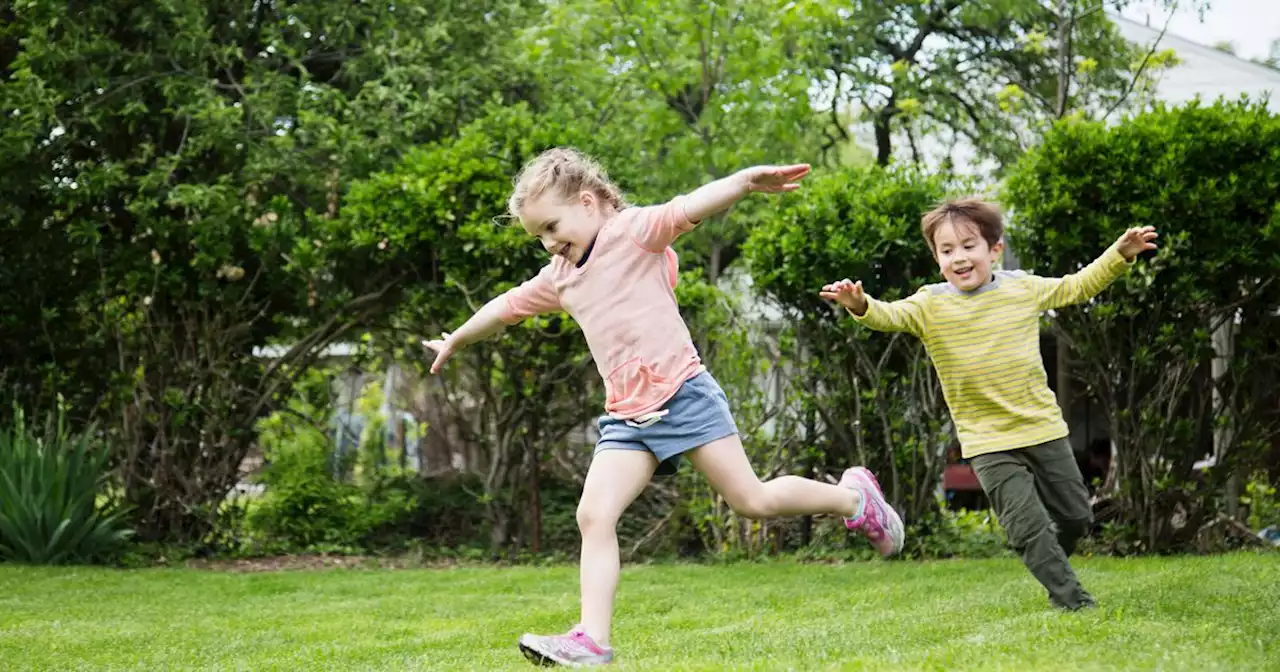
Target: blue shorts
697 415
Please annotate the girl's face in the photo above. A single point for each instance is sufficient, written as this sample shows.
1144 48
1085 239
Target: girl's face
565 227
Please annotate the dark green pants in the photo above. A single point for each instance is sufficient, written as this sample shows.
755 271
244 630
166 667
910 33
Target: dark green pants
1041 501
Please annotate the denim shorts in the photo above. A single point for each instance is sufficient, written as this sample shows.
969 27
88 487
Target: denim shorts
697 415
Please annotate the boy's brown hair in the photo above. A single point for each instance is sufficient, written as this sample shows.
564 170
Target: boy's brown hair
982 214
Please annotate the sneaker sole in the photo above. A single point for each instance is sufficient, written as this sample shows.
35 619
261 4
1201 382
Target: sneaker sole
543 660
537 657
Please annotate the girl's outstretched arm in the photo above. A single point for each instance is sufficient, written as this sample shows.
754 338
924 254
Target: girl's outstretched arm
484 323
714 197
532 297
655 227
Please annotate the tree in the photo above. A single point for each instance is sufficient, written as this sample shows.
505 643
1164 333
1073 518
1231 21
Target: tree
1181 352
991 73
166 170
681 93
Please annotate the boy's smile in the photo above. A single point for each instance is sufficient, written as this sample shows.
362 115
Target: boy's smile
963 255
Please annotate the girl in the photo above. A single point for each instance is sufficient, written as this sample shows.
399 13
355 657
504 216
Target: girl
613 271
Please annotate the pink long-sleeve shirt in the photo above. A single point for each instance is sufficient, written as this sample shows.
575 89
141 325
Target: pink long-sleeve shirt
624 299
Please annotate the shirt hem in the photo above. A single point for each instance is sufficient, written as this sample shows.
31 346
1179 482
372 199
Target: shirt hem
1018 444
617 414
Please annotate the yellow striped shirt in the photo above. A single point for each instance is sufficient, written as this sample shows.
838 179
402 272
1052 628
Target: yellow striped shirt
985 346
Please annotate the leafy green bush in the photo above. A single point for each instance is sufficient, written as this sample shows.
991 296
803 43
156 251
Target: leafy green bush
1208 178
1264 505
305 507
315 503
957 534
49 484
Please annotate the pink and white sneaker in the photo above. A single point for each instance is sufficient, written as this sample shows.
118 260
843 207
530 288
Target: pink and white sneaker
878 521
572 649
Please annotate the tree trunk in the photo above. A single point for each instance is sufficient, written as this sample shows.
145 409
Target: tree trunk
884 142
501 531
1223 340
1066 24
1064 379
535 490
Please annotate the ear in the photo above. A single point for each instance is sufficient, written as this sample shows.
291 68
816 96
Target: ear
588 199
997 250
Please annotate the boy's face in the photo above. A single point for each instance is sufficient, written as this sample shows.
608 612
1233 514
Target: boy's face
565 227
963 254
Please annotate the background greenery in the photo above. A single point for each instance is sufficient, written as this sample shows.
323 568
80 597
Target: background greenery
183 184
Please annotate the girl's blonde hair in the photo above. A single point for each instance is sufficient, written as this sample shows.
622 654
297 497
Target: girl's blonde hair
565 171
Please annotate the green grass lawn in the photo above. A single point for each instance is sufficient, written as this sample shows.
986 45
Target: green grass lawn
1196 613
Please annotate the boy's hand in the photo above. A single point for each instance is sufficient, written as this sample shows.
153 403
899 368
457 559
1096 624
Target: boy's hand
444 349
1137 240
848 294
775 178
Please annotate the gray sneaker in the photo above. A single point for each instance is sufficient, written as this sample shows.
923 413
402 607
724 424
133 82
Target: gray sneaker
572 649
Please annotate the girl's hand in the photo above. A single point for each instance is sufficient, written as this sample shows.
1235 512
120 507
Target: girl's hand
775 178
444 349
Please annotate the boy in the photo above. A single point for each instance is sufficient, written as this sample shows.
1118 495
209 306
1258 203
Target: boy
982 332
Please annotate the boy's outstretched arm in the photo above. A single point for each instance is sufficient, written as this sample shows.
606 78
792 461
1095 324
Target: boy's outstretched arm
536 295
905 315
1092 279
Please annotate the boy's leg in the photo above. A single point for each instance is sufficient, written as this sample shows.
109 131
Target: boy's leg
727 469
1062 490
1009 483
614 480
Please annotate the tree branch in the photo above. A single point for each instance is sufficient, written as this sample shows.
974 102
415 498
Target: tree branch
1143 66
